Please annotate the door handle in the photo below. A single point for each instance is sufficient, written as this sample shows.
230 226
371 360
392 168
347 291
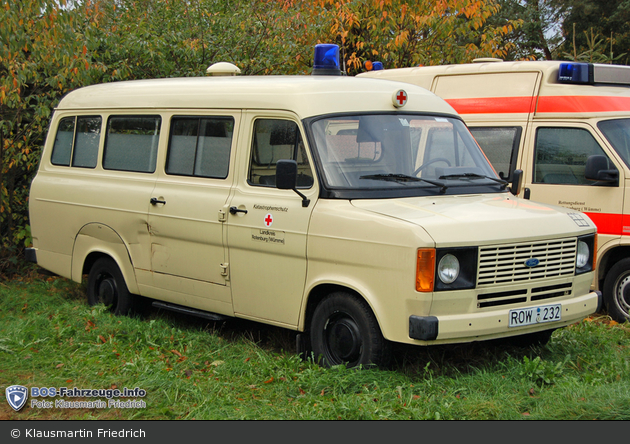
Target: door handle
234 210
155 201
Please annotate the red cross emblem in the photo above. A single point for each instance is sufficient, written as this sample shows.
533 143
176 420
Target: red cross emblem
400 98
268 220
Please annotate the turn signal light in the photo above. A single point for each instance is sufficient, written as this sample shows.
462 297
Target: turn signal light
425 270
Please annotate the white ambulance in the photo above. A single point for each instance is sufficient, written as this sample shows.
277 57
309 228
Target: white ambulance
354 211
567 126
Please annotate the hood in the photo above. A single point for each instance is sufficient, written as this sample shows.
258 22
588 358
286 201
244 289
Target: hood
482 219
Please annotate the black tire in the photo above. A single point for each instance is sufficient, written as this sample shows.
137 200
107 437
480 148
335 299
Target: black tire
107 286
617 291
345 331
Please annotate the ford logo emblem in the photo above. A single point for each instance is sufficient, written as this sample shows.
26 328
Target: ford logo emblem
532 262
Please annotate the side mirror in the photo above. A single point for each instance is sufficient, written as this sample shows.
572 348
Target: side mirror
517 182
597 168
286 178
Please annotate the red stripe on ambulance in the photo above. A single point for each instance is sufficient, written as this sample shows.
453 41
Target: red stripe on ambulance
493 105
608 223
582 104
546 104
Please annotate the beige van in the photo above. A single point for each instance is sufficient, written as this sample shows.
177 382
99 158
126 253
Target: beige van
354 211
567 126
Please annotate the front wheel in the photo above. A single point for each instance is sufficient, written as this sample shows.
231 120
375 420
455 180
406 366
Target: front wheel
345 331
107 286
617 291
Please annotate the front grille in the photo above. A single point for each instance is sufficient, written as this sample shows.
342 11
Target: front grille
505 264
518 296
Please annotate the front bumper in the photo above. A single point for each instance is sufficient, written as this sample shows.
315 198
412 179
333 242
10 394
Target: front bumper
494 324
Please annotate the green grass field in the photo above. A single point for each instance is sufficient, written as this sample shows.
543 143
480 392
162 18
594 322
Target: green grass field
192 369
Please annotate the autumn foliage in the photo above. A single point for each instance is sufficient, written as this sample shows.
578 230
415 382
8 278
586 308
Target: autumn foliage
400 33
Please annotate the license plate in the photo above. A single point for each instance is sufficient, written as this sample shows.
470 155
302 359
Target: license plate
535 315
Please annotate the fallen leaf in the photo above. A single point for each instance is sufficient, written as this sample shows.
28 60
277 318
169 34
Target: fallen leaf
175 352
217 363
103 340
526 414
322 393
269 380
59 366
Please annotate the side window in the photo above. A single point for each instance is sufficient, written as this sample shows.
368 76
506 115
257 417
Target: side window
500 145
131 143
86 142
77 142
560 155
62 150
273 140
200 146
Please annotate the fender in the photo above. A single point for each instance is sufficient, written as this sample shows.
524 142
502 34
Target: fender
100 238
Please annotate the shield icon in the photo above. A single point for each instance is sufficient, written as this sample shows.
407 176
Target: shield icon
16 396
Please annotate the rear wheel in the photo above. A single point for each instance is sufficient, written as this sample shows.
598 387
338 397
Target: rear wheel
107 286
617 291
345 331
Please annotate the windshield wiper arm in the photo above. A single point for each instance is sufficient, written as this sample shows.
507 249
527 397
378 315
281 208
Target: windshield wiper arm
404 178
474 176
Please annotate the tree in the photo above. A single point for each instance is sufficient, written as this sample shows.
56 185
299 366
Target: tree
540 35
42 56
597 30
400 33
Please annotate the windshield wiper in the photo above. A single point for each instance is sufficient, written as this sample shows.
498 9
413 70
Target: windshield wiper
404 178
474 176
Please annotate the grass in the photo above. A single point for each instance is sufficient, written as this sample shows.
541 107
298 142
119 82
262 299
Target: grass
192 369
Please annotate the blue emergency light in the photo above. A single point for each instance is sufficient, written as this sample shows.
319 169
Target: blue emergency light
377 66
326 61
580 73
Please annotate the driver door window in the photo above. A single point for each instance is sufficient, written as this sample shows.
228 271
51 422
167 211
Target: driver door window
560 155
273 140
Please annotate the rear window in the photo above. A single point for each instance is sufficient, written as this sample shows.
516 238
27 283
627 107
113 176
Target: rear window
77 141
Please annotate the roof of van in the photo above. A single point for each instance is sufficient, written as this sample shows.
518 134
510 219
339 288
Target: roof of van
549 68
593 100
307 96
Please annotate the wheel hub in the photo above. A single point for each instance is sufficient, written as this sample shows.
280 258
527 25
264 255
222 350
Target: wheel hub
344 340
107 291
623 294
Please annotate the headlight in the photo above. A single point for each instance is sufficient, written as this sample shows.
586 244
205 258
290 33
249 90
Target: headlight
448 269
454 268
583 254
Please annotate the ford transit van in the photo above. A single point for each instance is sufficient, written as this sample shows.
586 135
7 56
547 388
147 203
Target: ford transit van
355 212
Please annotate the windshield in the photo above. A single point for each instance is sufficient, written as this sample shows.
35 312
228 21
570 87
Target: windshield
618 134
394 152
